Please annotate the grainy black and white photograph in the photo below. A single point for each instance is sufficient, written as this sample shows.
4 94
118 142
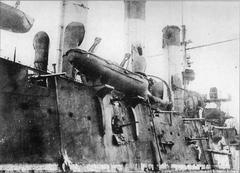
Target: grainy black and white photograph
124 86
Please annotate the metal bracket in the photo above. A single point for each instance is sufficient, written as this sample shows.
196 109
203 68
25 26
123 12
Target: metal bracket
133 101
200 138
195 139
193 119
103 90
217 100
218 152
48 75
129 124
160 111
165 144
166 112
223 128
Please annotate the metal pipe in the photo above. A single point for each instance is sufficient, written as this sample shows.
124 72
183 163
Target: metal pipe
129 124
73 37
50 75
218 152
193 119
223 128
41 47
61 31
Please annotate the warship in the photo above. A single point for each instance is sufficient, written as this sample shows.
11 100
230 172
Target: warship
94 115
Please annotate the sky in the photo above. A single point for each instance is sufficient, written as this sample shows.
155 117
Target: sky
206 22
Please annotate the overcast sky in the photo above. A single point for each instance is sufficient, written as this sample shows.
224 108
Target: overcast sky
206 22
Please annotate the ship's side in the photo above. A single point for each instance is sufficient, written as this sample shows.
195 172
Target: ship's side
51 123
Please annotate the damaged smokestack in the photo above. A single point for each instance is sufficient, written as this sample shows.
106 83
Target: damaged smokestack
171 36
135 33
135 22
41 47
172 49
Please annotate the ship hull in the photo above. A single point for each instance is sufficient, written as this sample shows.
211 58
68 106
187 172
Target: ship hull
48 124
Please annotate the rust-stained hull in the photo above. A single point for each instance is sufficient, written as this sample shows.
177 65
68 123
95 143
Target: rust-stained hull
39 121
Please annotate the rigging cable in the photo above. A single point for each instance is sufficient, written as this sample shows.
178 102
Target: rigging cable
211 44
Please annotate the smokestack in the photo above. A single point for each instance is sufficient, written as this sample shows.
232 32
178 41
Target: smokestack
135 33
41 47
73 37
172 49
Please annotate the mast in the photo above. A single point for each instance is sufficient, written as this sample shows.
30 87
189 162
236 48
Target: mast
188 73
61 31
184 52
